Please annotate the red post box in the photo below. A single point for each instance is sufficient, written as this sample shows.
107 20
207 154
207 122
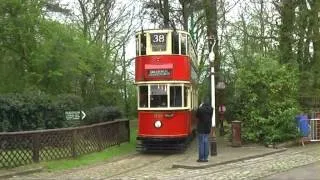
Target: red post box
236 133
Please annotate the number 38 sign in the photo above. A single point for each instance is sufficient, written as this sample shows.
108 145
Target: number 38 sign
158 38
158 41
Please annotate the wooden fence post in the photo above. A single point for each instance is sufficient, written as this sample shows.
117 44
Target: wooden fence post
100 143
74 143
35 147
119 133
128 128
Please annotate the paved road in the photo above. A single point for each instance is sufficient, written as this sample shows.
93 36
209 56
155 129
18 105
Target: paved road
159 167
310 172
250 169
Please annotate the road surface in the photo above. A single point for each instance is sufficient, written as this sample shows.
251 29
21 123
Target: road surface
142 166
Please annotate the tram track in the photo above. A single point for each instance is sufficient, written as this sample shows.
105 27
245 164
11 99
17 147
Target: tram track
141 166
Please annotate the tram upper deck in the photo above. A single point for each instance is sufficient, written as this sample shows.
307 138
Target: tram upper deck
165 54
165 42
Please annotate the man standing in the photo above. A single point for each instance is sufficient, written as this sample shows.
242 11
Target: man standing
204 115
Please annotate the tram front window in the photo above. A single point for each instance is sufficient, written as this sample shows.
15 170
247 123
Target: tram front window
158 96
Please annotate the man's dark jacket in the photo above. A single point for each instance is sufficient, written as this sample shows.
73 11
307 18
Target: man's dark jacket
204 115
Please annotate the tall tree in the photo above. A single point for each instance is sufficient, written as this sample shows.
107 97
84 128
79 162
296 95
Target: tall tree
212 32
287 14
165 11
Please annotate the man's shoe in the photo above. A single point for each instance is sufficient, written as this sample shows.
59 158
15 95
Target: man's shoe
205 160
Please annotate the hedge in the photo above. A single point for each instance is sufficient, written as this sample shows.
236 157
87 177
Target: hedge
33 111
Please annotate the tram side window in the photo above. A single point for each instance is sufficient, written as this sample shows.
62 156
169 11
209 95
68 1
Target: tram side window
183 43
175 43
143 95
143 44
186 96
175 96
159 96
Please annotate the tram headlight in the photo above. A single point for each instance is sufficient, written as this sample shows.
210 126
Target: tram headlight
157 124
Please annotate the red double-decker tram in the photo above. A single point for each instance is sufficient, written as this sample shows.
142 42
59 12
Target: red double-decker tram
166 79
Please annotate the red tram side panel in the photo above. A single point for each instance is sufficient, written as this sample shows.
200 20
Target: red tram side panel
174 124
173 67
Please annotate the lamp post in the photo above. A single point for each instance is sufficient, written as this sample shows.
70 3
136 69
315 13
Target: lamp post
213 142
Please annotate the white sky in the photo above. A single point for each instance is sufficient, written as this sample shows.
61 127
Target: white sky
235 8
130 48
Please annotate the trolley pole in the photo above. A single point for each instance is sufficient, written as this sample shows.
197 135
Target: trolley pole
213 102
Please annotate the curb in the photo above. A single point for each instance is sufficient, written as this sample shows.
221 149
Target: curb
287 144
227 162
25 172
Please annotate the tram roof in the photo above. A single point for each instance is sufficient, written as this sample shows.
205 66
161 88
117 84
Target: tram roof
161 30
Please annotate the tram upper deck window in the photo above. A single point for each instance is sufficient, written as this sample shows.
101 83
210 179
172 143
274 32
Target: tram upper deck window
183 47
158 96
143 44
175 43
158 41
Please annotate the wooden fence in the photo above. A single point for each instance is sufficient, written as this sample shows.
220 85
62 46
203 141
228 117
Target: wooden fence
309 103
21 148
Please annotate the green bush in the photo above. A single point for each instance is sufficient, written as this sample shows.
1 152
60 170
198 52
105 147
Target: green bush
265 100
31 111
102 114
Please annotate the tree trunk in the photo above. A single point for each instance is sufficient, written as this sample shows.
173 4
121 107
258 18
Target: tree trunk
262 28
185 14
212 30
315 10
212 33
286 31
165 12
302 22
314 20
245 40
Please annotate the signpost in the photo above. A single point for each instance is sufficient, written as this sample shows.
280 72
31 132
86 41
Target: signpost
222 109
221 86
75 115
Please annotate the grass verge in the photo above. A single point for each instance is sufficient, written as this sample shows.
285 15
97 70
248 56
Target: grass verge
93 158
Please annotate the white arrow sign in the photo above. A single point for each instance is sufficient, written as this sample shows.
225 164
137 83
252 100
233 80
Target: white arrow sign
83 115
75 115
